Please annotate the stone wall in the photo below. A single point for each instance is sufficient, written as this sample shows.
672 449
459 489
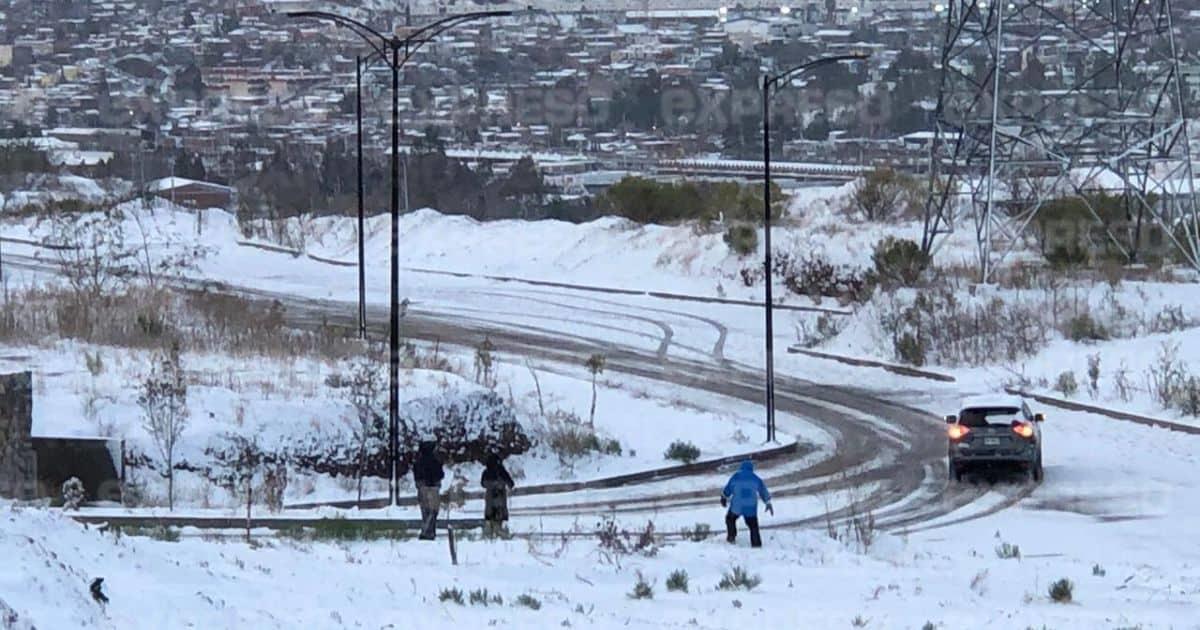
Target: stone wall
18 463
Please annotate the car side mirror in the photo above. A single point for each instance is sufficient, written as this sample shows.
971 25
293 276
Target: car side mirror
1037 417
951 419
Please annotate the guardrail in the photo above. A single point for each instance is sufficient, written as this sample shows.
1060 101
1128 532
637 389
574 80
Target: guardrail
1111 413
903 370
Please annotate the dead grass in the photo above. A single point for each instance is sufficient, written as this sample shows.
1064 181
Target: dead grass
148 318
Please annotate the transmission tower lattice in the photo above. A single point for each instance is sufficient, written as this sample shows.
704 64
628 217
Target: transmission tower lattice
1051 99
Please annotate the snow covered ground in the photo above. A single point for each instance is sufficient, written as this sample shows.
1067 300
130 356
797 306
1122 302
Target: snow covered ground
1114 515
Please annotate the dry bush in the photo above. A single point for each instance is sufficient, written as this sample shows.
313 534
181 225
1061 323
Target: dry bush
150 318
938 327
816 277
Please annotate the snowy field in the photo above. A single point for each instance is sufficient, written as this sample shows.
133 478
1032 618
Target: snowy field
1114 515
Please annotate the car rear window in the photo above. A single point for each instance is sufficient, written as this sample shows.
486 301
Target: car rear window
983 417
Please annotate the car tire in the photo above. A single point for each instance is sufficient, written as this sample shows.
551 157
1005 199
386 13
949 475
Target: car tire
1038 474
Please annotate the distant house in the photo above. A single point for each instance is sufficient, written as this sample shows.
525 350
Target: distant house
192 193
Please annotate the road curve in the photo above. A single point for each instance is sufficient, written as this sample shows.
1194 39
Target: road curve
894 451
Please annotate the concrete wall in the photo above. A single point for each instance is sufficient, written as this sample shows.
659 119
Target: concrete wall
18 461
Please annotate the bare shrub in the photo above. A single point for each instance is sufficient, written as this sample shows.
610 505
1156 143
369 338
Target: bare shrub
826 327
1093 374
366 395
163 400
816 277
1169 320
1187 396
570 438
938 327
884 194
615 541
1122 386
1166 374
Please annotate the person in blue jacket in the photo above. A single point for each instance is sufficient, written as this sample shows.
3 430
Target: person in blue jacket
741 495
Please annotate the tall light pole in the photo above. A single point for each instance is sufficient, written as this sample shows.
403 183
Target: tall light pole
362 270
381 45
770 81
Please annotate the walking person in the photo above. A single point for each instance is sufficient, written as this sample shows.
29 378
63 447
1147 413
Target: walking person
496 483
428 475
741 495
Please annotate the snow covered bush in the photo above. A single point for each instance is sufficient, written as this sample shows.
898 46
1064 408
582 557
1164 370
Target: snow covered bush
741 238
898 262
529 601
570 438
466 426
1083 327
453 595
642 589
738 578
816 277
1062 591
72 493
1066 384
678 581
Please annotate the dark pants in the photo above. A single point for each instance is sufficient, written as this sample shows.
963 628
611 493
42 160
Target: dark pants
429 499
731 528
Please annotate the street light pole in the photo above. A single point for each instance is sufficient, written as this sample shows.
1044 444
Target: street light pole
381 44
768 299
362 273
394 328
768 82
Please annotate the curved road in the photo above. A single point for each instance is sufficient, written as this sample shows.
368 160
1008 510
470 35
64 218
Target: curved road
894 452
887 457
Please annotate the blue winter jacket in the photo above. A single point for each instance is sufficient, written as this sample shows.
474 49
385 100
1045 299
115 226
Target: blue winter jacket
744 489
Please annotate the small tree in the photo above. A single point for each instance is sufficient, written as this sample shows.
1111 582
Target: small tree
237 463
94 255
163 400
595 365
484 363
366 396
883 194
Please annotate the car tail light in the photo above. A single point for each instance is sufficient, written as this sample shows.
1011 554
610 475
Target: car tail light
958 431
1023 429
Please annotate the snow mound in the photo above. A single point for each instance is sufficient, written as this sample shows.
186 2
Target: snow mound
49 562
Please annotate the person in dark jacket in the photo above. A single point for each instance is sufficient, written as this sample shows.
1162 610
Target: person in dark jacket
496 483
428 475
741 494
